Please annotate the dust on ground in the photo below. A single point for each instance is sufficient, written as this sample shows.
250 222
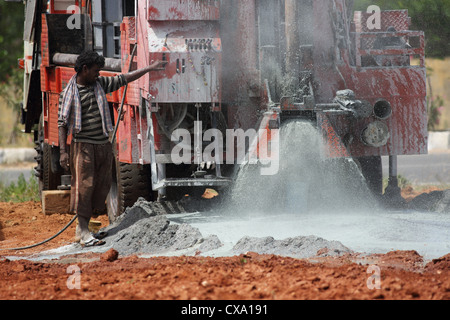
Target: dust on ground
397 275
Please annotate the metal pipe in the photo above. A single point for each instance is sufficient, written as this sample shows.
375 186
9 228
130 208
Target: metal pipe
269 24
247 34
66 59
392 166
382 109
393 191
292 38
161 170
120 111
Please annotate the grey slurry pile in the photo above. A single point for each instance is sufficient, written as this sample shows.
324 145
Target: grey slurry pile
143 230
436 201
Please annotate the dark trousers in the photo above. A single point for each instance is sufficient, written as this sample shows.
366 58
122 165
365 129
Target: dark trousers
91 167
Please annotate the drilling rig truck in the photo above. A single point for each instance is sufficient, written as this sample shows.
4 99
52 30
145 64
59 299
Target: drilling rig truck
359 77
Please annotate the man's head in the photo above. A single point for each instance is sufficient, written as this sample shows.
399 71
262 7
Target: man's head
88 67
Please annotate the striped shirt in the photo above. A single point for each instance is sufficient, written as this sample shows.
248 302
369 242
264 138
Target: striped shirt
91 121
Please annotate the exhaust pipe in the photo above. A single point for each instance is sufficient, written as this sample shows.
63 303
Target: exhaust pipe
382 109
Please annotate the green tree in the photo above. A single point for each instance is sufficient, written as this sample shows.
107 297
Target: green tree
431 16
11 49
11 37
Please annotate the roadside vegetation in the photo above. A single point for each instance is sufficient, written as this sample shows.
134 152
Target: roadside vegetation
11 77
20 191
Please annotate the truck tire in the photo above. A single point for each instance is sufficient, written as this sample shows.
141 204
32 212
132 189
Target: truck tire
51 180
48 179
130 182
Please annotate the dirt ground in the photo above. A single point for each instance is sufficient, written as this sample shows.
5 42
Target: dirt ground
397 275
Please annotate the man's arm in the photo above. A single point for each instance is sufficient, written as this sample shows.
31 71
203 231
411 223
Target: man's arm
63 154
111 84
134 75
62 138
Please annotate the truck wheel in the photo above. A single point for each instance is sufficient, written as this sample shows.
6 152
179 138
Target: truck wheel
48 180
130 182
51 180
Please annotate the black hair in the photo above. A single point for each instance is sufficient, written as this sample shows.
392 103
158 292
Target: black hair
89 59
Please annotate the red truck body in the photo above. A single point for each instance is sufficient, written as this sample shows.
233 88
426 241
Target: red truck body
223 59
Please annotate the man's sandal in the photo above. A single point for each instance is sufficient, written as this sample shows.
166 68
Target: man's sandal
92 242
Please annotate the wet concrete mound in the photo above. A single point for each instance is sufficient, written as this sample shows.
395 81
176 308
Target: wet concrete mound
155 235
435 201
143 229
301 247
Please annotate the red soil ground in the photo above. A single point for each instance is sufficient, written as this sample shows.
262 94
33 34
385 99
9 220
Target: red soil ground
398 275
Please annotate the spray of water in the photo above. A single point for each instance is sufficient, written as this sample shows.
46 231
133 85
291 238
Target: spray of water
306 182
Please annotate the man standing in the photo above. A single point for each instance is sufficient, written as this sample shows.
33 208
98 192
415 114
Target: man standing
84 113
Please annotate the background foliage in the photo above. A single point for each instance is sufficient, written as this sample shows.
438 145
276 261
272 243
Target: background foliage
11 33
431 16
20 191
11 77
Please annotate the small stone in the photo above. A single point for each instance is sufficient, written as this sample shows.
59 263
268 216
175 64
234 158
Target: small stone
110 255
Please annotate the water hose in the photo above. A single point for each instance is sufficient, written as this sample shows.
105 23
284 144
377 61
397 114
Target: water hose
43 242
74 218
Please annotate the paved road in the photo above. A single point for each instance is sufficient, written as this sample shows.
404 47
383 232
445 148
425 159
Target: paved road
433 168
9 170
11 174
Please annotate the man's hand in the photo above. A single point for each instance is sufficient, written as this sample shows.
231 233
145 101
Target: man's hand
158 65
64 160
63 155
